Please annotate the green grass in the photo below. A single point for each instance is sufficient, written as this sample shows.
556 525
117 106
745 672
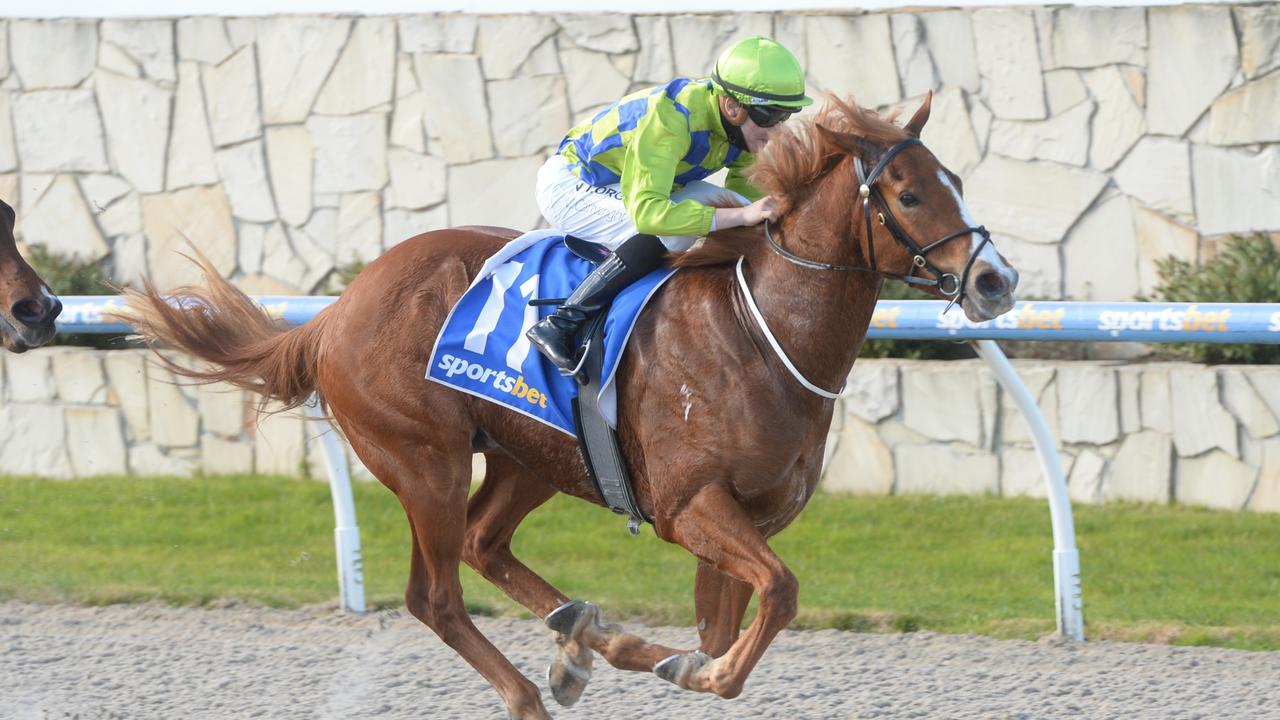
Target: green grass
980 565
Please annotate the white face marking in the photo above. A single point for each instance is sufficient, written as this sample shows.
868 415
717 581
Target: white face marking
988 253
687 394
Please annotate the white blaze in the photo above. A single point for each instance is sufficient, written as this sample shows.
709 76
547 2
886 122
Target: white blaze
988 254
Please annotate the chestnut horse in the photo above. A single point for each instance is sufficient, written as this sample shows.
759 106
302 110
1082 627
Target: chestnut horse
27 306
724 445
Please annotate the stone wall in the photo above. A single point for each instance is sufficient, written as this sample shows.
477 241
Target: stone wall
1092 141
1154 433
73 412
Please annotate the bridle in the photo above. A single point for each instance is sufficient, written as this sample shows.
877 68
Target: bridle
947 283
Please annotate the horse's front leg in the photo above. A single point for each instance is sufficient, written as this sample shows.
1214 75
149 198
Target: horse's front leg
715 528
719 602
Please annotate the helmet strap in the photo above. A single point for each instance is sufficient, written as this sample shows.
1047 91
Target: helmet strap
732 110
733 115
734 132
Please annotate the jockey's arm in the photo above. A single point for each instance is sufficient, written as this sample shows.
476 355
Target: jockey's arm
649 170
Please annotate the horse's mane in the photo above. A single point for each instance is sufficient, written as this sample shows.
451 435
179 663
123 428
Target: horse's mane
786 168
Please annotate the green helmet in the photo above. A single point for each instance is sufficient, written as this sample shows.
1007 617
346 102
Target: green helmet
759 71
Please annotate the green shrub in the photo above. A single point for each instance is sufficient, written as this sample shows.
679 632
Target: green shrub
69 275
1246 270
73 276
343 276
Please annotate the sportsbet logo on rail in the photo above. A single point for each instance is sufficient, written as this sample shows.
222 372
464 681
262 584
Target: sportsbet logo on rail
1115 320
1168 319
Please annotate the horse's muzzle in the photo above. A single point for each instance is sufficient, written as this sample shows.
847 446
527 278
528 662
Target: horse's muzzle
990 291
30 322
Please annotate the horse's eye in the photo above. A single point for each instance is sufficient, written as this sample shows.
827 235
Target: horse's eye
908 200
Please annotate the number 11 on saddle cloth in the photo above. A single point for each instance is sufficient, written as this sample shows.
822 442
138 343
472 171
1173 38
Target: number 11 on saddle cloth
482 349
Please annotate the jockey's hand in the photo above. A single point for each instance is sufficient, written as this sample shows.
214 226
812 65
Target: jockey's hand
766 208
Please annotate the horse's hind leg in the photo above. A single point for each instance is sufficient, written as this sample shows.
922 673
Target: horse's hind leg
508 495
494 512
431 477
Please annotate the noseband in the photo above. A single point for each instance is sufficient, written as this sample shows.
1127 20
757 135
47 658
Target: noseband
946 283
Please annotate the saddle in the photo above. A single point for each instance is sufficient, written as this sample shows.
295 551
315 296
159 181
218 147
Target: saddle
597 441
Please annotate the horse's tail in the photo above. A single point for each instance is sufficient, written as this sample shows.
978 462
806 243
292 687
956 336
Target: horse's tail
221 325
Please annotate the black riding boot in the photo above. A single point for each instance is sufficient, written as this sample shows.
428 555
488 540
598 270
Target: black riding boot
554 334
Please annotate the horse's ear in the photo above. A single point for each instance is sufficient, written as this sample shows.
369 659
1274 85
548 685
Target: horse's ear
921 117
849 143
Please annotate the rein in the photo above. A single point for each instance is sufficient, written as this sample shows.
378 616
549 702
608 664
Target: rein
946 283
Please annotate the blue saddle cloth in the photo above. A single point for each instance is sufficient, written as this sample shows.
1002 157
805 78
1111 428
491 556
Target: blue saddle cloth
482 349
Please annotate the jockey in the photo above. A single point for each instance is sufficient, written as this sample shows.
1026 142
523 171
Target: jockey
631 178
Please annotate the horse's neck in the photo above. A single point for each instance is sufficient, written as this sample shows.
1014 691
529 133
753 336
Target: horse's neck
819 316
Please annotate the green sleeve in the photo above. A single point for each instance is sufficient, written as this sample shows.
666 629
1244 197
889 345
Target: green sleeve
648 172
737 180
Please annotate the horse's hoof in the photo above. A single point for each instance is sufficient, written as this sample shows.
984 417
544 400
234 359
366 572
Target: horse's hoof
571 670
678 669
570 617
567 678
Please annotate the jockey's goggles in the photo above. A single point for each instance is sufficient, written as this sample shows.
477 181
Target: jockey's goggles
768 115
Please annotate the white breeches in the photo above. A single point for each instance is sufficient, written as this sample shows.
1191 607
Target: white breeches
596 214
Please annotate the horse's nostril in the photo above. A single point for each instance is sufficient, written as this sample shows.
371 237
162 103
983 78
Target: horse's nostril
36 312
991 284
28 312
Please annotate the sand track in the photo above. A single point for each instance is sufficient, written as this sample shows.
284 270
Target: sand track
148 661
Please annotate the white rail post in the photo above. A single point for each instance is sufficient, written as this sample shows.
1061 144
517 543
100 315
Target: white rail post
346 534
1066 559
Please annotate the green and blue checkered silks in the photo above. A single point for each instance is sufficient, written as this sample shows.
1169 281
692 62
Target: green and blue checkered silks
653 141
